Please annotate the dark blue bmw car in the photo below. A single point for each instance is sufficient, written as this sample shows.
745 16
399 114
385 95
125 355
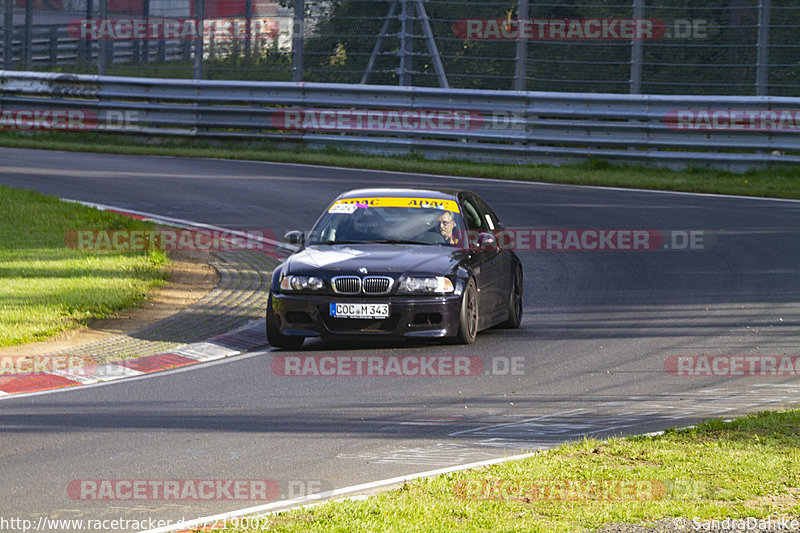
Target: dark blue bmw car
403 263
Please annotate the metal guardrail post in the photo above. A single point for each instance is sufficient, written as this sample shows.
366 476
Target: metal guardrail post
762 67
298 30
521 68
8 35
200 12
637 52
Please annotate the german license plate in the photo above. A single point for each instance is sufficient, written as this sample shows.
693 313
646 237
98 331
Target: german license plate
359 310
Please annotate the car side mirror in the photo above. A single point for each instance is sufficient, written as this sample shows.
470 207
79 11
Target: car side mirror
295 237
486 241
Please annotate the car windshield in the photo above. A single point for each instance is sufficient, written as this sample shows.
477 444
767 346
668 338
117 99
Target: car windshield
350 222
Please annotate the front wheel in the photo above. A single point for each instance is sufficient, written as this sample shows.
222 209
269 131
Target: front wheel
274 335
468 319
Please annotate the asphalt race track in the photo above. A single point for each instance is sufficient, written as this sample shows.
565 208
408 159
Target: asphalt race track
597 331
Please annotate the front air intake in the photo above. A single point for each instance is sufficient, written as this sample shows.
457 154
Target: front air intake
346 285
377 285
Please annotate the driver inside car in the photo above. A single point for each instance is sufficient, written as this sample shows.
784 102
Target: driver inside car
447 224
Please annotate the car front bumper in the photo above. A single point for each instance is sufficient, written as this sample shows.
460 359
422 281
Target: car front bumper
409 316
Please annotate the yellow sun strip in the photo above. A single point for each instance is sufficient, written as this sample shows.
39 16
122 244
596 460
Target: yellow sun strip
446 205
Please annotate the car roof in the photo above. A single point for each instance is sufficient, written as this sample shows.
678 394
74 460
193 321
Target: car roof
439 194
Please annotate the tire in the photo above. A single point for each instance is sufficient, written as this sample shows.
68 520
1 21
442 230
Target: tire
274 335
468 319
514 302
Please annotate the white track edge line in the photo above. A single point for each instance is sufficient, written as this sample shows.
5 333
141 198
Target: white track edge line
313 500
321 496
182 223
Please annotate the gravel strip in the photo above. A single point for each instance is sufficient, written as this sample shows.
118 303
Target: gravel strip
239 297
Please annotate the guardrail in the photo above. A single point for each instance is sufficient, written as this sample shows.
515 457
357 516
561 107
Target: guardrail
533 127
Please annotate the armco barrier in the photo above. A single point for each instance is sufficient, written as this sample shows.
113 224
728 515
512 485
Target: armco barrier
536 127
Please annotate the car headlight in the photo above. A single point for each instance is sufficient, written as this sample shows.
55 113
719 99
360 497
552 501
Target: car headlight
428 284
301 283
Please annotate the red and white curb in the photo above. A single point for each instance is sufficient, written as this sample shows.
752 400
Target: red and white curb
231 343
235 342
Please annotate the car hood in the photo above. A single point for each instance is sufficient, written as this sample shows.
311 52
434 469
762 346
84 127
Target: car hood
376 258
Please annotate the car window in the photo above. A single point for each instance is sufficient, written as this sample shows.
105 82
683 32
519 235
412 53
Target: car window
488 215
369 222
473 215
478 215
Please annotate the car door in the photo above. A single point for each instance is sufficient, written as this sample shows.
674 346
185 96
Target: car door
501 263
489 267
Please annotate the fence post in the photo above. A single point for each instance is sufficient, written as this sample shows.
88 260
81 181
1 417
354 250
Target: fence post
406 44
27 42
762 67
297 40
8 35
637 51
198 43
53 45
101 44
146 42
86 44
162 50
521 70
248 15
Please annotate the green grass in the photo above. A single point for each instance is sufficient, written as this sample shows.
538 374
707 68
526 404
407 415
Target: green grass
46 287
749 467
778 182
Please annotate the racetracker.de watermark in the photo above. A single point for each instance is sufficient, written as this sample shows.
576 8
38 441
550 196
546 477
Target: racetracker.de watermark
733 365
126 29
193 489
579 29
787 120
597 240
169 239
377 119
83 365
48 119
414 366
173 489
560 489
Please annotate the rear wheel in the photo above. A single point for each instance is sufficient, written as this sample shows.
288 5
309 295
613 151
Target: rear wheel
514 302
274 335
468 319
